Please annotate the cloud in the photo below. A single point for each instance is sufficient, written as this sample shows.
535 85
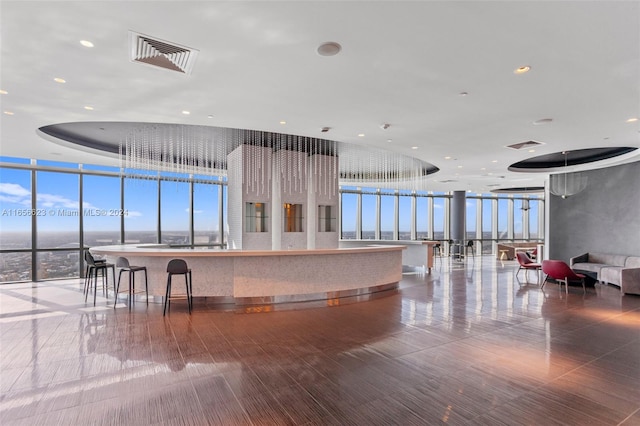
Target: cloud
14 189
52 200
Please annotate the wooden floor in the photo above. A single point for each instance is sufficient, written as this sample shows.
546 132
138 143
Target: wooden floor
466 345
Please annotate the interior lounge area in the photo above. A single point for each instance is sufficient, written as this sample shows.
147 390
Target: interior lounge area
319 213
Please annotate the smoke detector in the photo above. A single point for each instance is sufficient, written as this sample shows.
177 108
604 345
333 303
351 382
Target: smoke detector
161 53
385 126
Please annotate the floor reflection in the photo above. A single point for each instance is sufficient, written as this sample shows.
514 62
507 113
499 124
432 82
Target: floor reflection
467 344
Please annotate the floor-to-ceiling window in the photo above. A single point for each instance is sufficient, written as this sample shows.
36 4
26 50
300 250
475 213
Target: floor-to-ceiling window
141 210
58 228
405 215
206 214
51 210
440 212
422 217
16 222
102 210
369 216
175 212
387 216
471 218
349 213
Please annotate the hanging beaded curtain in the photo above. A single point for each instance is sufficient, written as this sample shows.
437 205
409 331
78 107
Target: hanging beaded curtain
186 150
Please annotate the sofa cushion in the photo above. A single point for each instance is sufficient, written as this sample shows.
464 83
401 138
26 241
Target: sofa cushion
607 259
611 274
632 262
591 267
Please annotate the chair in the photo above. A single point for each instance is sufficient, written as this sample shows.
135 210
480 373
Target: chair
122 263
471 247
527 264
561 272
93 267
437 249
452 244
533 254
178 267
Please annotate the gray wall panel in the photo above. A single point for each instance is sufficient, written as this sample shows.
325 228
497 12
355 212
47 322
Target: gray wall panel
605 217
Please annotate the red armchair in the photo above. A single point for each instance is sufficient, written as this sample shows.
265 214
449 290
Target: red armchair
527 264
561 272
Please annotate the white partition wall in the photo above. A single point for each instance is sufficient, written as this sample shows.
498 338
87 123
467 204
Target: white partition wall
323 203
281 200
290 168
250 198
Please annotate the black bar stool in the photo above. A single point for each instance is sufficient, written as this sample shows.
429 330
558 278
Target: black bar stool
178 267
471 247
122 263
93 267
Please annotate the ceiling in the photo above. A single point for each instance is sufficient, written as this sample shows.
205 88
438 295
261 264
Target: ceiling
440 74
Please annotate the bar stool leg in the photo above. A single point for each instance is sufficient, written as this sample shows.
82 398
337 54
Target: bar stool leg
132 286
146 285
166 298
115 302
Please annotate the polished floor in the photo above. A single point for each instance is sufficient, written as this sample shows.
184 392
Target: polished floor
468 344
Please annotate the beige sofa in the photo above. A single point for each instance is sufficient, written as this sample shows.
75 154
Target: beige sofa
620 270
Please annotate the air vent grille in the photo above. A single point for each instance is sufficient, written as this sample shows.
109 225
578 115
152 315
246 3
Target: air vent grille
160 53
526 144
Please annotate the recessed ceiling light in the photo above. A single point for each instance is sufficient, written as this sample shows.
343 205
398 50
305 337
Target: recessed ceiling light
209 116
447 158
3 92
632 120
8 112
521 70
59 80
88 108
494 161
414 147
389 140
459 167
483 168
361 135
532 150
330 48
186 112
86 43
463 93
283 122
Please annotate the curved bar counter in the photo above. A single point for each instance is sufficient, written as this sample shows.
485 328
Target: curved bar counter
269 276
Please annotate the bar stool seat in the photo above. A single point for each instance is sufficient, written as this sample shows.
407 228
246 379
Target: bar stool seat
178 267
122 263
93 267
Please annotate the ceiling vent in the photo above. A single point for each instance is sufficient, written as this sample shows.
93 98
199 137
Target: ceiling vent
160 53
522 145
